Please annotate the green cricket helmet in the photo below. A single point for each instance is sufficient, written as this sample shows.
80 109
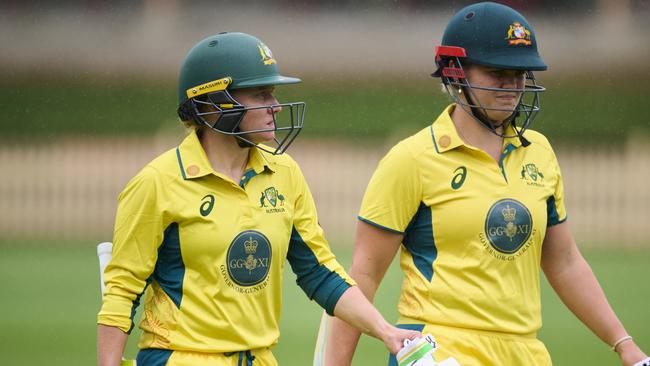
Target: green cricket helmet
495 36
229 61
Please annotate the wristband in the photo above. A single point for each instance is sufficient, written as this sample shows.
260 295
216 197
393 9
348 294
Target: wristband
621 340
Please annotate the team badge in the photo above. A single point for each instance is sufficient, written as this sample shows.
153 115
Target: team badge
532 175
267 56
270 198
518 34
249 258
508 225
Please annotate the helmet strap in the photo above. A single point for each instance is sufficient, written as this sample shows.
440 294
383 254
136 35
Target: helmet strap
520 134
479 114
476 110
511 120
243 142
481 117
451 72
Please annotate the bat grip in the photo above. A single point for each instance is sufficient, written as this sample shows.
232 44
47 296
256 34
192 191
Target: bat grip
104 253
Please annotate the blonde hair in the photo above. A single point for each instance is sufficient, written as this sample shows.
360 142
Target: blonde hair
192 126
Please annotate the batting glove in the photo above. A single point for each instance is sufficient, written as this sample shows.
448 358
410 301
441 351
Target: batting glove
419 352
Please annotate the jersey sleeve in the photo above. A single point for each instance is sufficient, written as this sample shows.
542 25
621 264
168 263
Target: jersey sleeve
556 211
137 236
318 272
394 192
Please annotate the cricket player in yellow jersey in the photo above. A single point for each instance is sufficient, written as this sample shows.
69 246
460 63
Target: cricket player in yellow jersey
477 204
203 231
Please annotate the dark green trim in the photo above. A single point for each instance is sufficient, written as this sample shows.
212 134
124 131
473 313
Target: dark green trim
136 303
317 281
416 327
180 162
170 269
379 226
552 216
433 137
240 357
246 177
392 360
153 357
419 241
509 148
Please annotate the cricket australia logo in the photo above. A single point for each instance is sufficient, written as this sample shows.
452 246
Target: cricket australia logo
272 200
249 258
267 56
532 176
518 35
508 225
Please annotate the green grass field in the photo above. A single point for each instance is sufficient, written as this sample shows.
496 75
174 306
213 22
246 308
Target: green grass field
50 297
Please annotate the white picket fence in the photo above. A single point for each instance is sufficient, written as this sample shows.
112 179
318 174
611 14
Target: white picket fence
67 189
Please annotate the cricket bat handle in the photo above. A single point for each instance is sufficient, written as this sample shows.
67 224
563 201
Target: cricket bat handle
104 253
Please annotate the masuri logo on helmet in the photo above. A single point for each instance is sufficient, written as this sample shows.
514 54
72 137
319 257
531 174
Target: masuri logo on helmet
230 61
210 86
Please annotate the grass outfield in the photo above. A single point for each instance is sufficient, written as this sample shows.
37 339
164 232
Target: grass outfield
50 297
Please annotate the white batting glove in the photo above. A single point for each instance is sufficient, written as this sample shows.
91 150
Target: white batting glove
419 352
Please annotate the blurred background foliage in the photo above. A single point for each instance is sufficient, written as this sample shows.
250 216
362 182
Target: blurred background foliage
583 109
109 68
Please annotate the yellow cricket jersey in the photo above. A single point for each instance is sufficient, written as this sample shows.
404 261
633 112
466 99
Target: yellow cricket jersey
210 252
473 228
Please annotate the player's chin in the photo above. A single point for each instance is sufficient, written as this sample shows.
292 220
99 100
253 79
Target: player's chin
261 137
505 103
501 111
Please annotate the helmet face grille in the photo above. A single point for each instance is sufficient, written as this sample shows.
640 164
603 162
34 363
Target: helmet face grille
494 36
221 113
522 115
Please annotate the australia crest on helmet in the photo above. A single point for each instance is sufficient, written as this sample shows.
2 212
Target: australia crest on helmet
267 56
518 35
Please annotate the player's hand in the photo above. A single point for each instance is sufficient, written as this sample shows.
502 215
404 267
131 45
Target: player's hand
630 353
394 338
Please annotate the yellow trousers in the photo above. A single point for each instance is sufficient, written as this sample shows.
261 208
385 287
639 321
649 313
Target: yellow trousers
480 348
158 357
